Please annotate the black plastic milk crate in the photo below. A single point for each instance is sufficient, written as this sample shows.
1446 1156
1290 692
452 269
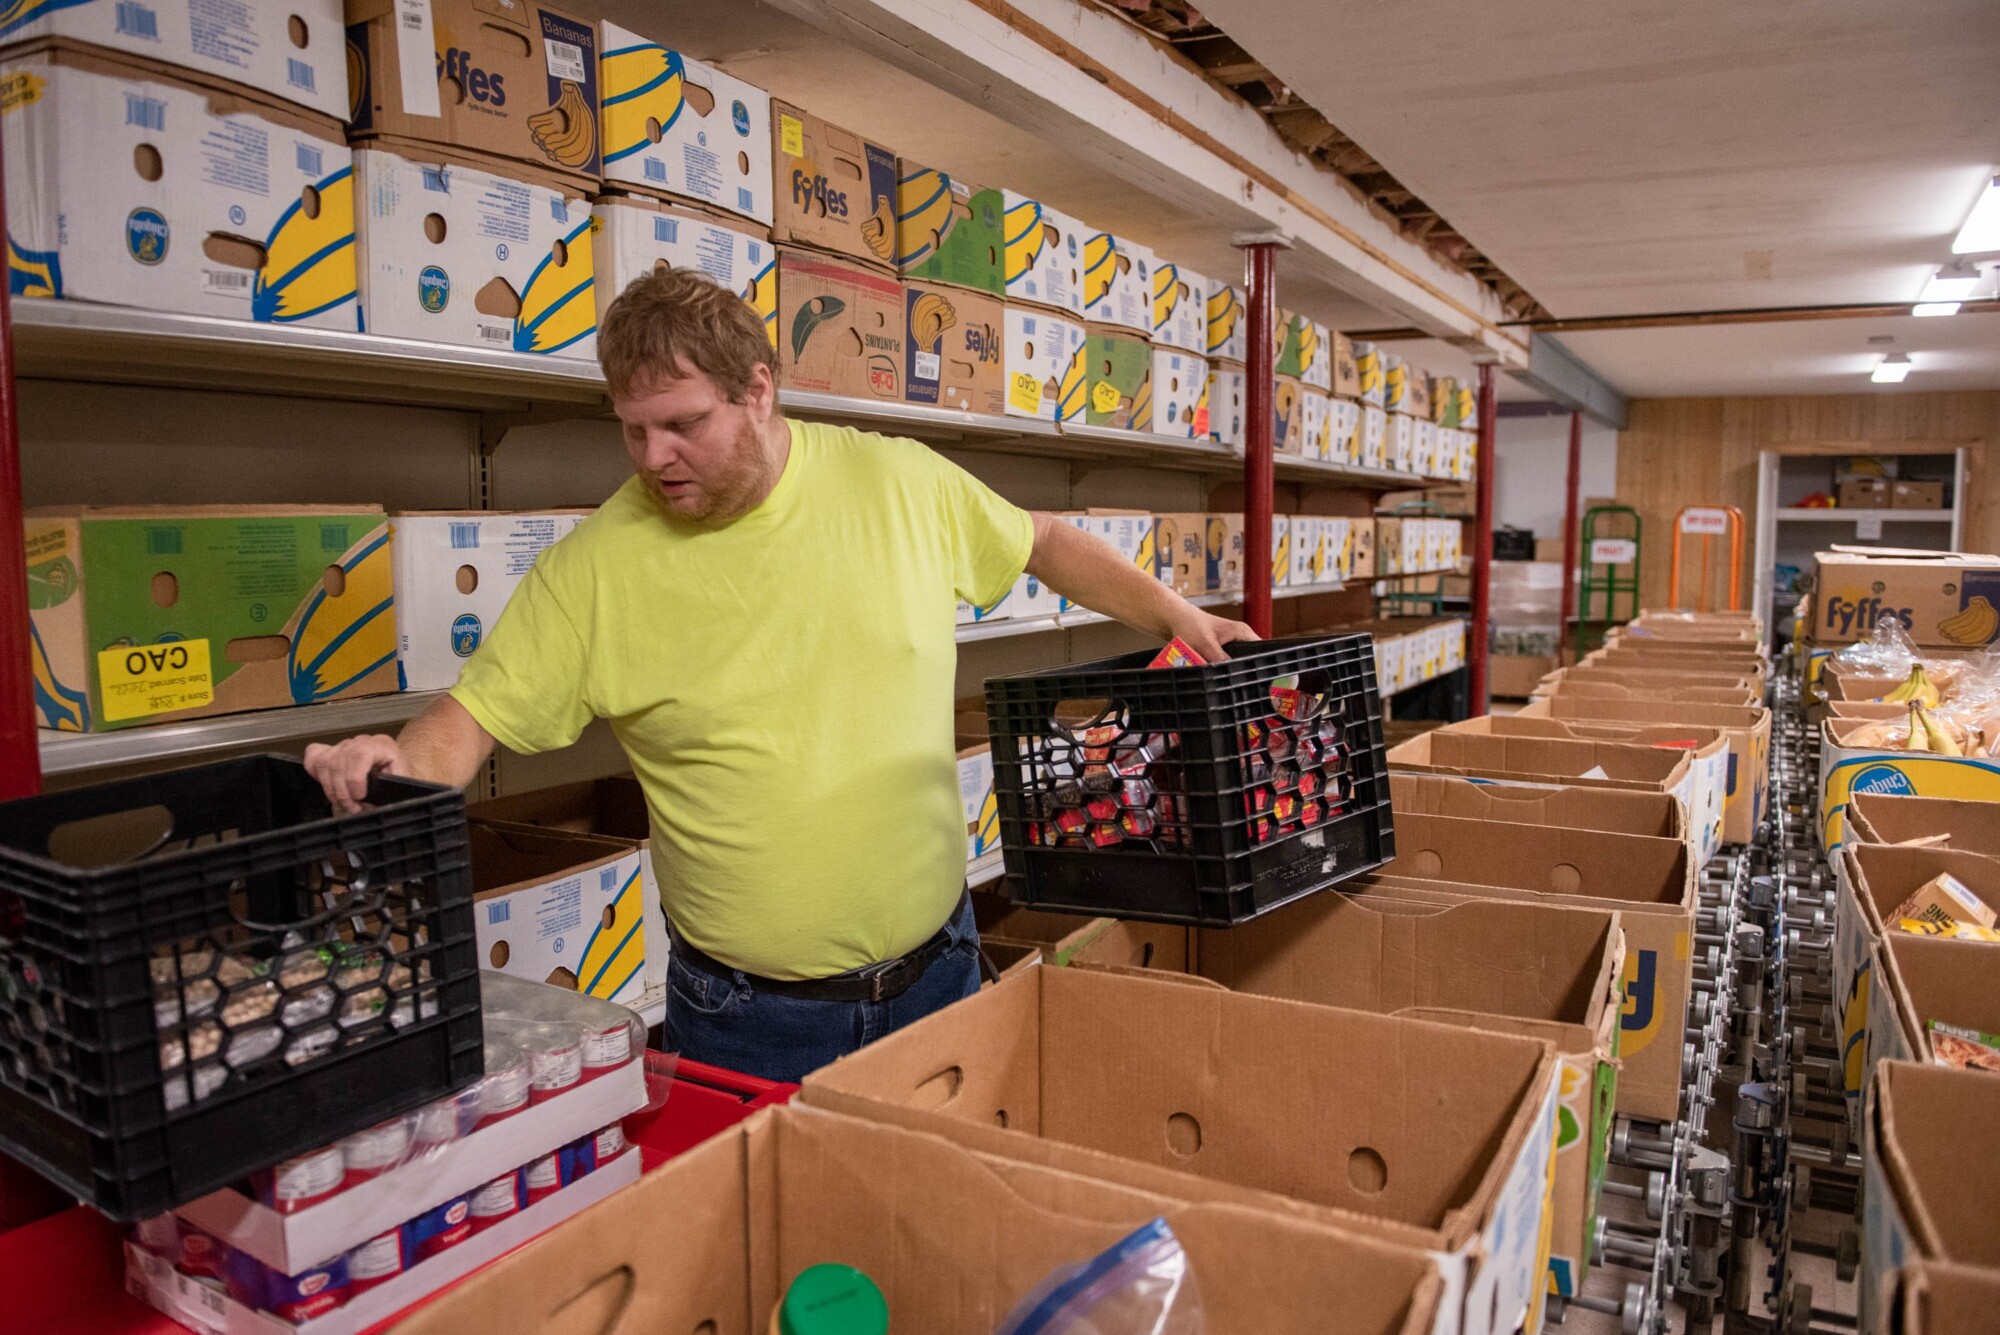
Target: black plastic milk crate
204 972
1186 794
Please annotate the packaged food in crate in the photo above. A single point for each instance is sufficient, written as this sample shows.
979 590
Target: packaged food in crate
205 973
1160 787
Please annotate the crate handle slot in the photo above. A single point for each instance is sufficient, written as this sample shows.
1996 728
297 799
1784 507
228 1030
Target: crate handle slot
1074 718
1299 696
359 899
128 835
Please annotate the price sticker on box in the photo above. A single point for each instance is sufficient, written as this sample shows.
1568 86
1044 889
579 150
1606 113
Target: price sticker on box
141 680
1613 551
1705 522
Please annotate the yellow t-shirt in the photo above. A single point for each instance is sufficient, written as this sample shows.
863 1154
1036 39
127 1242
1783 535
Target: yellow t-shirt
783 688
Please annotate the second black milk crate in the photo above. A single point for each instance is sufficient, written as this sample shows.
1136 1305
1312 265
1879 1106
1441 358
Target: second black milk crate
1203 795
206 971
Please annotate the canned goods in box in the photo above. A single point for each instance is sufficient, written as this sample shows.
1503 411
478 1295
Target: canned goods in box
298 1184
375 1151
504 1088
295 1298
376 1261
606 1047
555 1061
543 1177
201 1257
442 1121
594 1151
440 1228
498 1200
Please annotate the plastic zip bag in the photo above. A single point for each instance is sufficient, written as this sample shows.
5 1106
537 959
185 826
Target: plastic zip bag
1140 1285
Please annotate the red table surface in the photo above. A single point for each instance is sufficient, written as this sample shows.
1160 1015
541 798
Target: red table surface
65 1275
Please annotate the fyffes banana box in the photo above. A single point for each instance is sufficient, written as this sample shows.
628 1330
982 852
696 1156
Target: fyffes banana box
151 614
511 79
948 230
430 269
1370 373
1343 431
832 190
1042 255
1288 430
1227 332
1118 381
1118 283
670 124
1944 600
1227 388
840 327
1042 357
454 574
221 204
1315 424
1374 437
1180 308
1180 394
632 236
952 349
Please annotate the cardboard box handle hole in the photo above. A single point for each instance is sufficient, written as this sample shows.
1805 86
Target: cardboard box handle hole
334 581
499 955
938 1091
743 163
295 28
434 228
1367 1172
146 162
166 589
257 648
1183 1135
467 579
696 96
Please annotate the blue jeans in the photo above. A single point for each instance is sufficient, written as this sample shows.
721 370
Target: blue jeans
726 1022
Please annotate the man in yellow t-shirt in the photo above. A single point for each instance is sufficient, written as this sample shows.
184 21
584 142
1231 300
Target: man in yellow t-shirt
765 614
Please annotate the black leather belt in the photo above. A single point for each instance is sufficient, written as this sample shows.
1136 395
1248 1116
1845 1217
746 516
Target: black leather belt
875 982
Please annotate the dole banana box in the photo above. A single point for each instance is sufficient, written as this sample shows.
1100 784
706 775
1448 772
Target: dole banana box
1180 394
670 124
1369 373
1288 429
1043 360
220 204
501 77
1118 380
832 190
1180 308
553 906
1374 437
1402 442
1346 375
1227 334
841 327
1118 283
952 349
1305 351
1042 255
949 230
1225 553
1944 600
632 236
1315 424
152 614
1281 551
430 267
454 574
291 50
1227 391
1343 437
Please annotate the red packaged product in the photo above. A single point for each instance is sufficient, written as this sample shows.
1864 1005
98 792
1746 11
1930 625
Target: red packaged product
1136 824
1310 814
440 1228
201 1257
1177 654
555 1060
1102 808
498 1200
1105 836
1287 809
543 1177
376 1261
606 1047
504 1090
1071 822
1281 741
1309 783
377 1150
301 1183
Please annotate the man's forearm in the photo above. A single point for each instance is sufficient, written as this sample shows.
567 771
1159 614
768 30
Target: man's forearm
1087 571
444 744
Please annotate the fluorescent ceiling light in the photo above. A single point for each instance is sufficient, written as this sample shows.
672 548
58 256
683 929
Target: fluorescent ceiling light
1982 229
1954 282
1891 369
1935 308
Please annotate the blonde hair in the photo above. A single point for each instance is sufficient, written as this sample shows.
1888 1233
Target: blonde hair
675 320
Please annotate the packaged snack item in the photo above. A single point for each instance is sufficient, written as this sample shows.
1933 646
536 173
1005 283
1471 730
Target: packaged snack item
295 1298
1177 654
1958 931
1966 1049
1944 899
607 1045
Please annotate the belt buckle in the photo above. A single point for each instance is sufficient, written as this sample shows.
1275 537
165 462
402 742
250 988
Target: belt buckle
873 975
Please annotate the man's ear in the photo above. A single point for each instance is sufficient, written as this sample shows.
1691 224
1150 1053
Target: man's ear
761 394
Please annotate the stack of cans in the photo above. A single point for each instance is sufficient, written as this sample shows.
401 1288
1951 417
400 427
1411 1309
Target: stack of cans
1105 791
1295 766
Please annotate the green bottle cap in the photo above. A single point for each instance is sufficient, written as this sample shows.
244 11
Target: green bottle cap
833 1300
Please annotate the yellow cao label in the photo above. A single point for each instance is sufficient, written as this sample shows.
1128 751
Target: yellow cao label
141 680
1104 397
1025 393
20 89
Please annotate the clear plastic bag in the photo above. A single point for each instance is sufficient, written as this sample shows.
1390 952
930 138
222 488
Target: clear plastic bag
1140 1285
1886 653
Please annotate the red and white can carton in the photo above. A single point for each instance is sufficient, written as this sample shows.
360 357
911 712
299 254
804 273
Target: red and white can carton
505 1088
606 1046
543 1177
498 1200
301 1183
555 1061
377 1261
201 1257
378 1150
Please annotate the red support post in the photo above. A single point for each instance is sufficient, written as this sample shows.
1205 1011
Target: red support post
1259 476
1571 535
20 753
1482 547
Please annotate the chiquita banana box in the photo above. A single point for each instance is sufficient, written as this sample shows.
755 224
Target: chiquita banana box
631 237
1118 283
1227 387
455 572
501 77
219 204
1288 431
148 614
1180 308
287 49
833 190
1043 358
949 230
1343 431
451 251
1374 436
1227 333
1041 255
669 123
559 907
1180 393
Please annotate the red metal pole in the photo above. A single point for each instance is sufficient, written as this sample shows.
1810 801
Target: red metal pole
1571 534
20 754
1482 546
1259 478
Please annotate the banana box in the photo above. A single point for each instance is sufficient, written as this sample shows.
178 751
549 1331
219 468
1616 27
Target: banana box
154 614
1042 255
670 124
1343 435
632 236
1389 545
1227 391
1374 437
1315 424
1402 442
832 190
1118 283
981 807
1227 331
1406 389
1180 308
554 906
1454 645
430 267
1183 548
1423 448
949 230
841 327
454 574
952 349
1468 407
1042 358
1288 428
1346 375
1370 371
1944 600
1363 564
1305 550
1118 380
500 77
1444 401
1305 351
1180 394
1136 535
1338 539
223 204
1468 456
1225 553
1281 550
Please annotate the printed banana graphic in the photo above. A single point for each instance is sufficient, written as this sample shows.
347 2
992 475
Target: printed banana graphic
643 86
341 640
923 214
614 954
309 260
567 131
1917 687
1142 407
1070 396
1308 342
1223 312
1023 237
762 294
811 316
33 273
930 315
878 229
1100 265
1975 625
1167 292
557 305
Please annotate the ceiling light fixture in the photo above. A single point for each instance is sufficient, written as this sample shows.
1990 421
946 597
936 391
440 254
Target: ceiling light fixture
1954 282
1935 308
1982 228
1891 369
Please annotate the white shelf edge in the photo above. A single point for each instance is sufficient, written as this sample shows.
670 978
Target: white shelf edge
75 752
1832 515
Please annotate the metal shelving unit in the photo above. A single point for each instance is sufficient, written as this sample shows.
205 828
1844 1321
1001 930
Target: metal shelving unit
1838 516
74 752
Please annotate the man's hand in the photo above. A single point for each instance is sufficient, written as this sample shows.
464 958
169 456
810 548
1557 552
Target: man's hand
1207 634
344 768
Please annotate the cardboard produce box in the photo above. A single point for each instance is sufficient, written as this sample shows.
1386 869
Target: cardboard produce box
1864 494
1118 380
1916 496
1043 262
1343 431
1407 390
1227 337
1892 818
560 908
1374 436
1929 1179
1227 400
1615 687
516 82
631 237
1305 351
1180 380
1045 366
1315 423
263 231
1225 553
954 1237
1370 371
1943 599
948 230
841 327
1939 1298
1684 665
1363 535
1846 769
1288 428
428 270
1514 676
1934 978
154 614
1180 308
833 190
1183 552
1346 375
1066 939
674 125
1447 1144
1652 815
455 571
953 349
1118 283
